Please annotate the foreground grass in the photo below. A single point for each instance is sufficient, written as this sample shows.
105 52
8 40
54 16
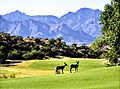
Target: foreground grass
101 78
92 75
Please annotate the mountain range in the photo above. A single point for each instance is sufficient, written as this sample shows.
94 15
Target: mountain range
81 26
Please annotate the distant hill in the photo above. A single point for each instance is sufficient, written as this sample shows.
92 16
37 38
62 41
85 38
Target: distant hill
81 26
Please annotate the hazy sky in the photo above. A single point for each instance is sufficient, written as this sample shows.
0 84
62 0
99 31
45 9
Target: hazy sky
49 7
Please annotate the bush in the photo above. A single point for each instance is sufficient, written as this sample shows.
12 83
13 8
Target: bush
34 54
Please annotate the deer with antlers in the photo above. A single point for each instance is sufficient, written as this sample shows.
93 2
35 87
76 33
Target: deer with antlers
74 66
60 68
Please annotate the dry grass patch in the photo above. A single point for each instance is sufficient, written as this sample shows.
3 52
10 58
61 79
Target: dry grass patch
26 72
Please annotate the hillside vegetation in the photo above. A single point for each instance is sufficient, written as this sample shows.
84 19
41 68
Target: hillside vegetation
19 48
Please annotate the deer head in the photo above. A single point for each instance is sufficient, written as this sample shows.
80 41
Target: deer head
77 62
65 64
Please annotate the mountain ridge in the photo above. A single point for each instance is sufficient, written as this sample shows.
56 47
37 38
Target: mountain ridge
81 26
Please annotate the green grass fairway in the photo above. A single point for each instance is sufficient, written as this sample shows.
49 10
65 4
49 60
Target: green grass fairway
92 75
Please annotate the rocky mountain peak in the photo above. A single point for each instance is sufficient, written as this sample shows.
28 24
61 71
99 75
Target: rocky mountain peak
81 26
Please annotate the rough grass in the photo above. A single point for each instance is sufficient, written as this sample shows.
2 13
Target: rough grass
92 75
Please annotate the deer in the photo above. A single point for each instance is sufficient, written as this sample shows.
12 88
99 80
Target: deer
60 68
74 66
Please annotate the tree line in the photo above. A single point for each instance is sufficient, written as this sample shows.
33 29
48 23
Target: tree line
29 48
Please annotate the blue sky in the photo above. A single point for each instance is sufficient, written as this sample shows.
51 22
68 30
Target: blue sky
49 7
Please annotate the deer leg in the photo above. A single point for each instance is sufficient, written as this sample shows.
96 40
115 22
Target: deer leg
70 70
62 71
77 69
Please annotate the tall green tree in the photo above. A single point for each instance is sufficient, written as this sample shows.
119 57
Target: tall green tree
110 21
